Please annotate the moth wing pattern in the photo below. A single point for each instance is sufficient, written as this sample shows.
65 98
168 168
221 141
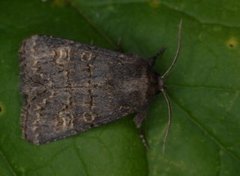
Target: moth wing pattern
69 87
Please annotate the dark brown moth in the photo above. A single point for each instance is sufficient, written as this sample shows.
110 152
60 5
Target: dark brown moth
69 87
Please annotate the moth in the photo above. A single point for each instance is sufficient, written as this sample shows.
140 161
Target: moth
70 87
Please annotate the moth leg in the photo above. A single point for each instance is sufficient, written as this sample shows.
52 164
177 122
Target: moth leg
143 138
138 120
152 59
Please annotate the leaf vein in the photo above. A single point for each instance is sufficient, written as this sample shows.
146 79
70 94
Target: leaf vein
206 131
8 163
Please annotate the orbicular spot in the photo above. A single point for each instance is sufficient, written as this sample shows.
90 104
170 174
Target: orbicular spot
86 56
232 42
88 117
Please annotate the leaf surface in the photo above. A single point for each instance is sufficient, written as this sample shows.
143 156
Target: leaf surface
203 87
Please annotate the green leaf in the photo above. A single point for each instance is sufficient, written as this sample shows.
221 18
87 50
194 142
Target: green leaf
203 87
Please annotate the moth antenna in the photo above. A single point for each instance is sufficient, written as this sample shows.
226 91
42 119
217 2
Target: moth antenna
177 51
166 130
162 88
